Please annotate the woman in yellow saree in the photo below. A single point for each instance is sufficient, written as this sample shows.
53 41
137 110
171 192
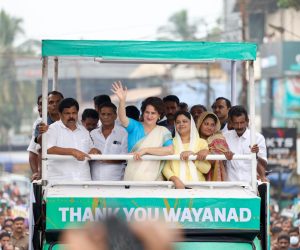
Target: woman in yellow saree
186 142
209 126
144 137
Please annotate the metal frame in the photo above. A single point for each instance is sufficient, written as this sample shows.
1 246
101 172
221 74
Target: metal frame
210 157
140 61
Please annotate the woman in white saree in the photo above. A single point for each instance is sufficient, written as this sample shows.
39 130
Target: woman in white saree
186 142
144 137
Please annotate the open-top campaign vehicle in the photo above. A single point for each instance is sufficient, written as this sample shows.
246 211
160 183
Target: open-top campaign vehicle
214 215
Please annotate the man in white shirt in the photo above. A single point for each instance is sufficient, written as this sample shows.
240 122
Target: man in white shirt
33 147
67 137
109 138
238 140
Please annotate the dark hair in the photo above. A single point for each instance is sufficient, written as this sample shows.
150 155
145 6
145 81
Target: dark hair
37 100
276 230
100 99
212 117
54 92
183 105
228 103
4 234
89 113
198 106
132 112
8 219
156 102
237 110
108 105
294 229
283 236
182 112
67 103
19 218
171 98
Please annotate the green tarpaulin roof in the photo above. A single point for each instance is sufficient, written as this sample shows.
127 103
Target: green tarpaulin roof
150 50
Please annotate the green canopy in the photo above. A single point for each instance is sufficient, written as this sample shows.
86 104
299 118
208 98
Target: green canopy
150 50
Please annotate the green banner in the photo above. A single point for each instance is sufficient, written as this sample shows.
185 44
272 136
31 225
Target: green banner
150 50
197 213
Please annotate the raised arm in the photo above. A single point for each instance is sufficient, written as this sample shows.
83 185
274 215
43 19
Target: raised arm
121 93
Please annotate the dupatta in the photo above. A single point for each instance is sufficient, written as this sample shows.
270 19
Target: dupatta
147 170
217 145
178 146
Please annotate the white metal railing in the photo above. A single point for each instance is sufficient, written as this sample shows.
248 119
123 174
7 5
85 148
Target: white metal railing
166 184
146 157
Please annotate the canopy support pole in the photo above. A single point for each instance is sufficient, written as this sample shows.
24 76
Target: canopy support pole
55 74
233 83
252 125
44 115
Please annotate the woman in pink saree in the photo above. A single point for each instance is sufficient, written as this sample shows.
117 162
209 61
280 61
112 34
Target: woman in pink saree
208 126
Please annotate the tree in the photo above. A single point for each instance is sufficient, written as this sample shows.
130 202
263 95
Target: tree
289 4
178 27
10 28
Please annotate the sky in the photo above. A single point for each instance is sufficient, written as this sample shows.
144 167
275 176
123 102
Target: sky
103 20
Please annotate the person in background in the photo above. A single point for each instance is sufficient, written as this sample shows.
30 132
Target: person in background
186 142
171 105
4 239
133 112
54 99
208 126
283 242
8 222
68 137
144 137
196 111
294 238
9 246
7 228
286 224
183 106
90 119
221 107
19 238
33 148
109 138
275 231
100 99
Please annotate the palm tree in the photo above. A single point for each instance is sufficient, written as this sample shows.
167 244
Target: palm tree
10 28
178 27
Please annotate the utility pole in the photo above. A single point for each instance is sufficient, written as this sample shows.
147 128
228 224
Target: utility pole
244 93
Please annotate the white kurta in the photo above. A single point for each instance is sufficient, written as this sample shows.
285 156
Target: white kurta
34 147
61 136
115 143
240 170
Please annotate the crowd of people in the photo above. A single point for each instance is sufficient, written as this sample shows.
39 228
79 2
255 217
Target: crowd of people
13 228
164 127
284 228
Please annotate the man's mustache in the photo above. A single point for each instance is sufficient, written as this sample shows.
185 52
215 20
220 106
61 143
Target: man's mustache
71 120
